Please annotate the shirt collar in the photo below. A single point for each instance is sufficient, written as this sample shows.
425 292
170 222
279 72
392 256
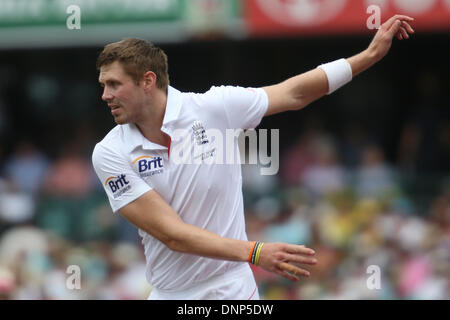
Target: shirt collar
173 106
134 138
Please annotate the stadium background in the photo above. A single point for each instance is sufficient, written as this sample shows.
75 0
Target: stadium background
364 174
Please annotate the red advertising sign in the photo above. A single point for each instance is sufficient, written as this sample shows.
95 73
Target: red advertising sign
276 17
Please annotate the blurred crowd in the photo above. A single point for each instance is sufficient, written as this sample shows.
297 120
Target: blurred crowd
340 197
364 218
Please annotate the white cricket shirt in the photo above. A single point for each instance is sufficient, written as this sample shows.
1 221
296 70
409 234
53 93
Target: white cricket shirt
204 193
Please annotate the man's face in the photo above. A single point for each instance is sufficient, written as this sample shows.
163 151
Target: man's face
124 97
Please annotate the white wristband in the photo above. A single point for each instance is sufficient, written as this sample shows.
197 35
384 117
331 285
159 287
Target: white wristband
339 73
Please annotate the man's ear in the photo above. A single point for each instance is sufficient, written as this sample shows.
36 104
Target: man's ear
149 80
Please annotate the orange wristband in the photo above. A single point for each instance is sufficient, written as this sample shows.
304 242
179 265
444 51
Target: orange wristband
251 252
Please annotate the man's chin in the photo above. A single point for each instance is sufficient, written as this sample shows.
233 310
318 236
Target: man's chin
120 120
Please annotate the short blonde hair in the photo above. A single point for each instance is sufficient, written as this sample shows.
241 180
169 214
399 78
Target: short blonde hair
137 56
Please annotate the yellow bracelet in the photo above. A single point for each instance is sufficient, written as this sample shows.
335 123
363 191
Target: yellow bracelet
258 252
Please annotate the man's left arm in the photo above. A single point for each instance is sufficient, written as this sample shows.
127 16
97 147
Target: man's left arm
297 92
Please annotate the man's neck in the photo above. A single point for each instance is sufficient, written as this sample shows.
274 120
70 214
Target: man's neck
151 124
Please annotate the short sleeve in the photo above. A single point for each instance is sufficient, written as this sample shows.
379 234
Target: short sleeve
122 185
244 107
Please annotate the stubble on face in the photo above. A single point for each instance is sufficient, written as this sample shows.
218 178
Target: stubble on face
120 93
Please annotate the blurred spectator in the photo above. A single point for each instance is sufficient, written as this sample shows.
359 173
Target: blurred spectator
19 242
291 228
353 142
299 157
326 174
69 206
15 207
23 173
254 184
127 278
440 210
26 168
7 283
374 178
70 175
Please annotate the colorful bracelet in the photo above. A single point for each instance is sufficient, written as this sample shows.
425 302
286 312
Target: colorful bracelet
258 253
255 252
251 252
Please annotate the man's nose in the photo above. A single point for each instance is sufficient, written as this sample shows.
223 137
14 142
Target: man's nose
106 96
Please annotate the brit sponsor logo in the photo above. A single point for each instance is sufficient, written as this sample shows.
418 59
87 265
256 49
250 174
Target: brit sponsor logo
148 166
118 185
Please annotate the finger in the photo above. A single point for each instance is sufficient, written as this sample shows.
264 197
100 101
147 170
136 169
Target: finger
286 275
408 27
389 23
394 29
399 36
404 33
300 250
296 271
301 260
403 17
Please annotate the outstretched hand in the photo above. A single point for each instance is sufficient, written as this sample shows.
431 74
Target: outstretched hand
397 26
285 259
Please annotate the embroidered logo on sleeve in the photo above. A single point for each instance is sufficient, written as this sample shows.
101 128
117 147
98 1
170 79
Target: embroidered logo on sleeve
118 185
148 166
